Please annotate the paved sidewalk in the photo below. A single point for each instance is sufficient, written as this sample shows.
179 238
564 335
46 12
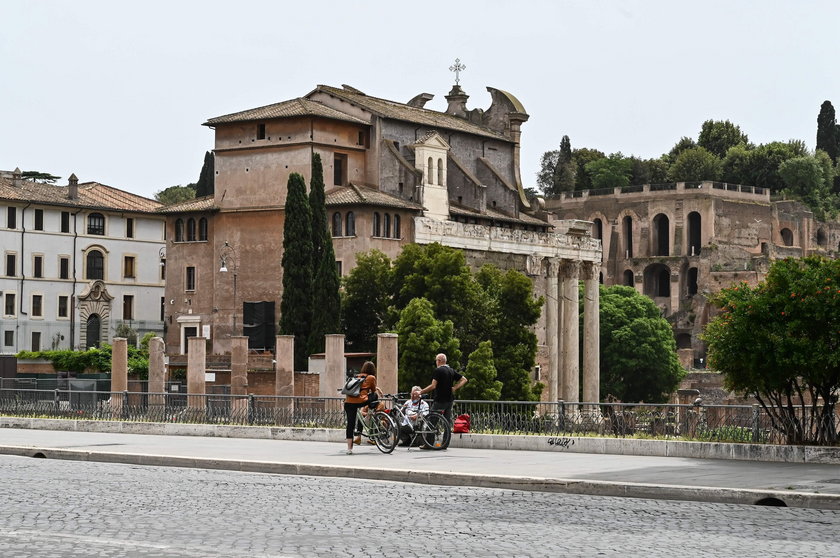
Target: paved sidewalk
708 480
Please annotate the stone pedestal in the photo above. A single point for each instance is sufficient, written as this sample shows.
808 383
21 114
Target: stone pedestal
157 373
387 362
334 367
239 376
119 374
196 365
284 376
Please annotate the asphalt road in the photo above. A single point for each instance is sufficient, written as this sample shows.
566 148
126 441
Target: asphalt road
85 509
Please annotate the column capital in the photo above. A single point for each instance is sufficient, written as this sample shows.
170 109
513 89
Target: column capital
552 266
569 269
589 271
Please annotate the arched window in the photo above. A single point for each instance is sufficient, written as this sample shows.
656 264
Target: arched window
179 230
431 173
787 237
661 238
397 233
96 224
93 331
440 172
95 265
386 225
657 281
628 236
822 239
694 223
202 228
190 230
377 226
336 224
692 281
628 278
597 229
350 224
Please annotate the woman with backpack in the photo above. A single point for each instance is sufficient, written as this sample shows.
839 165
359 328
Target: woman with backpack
367 396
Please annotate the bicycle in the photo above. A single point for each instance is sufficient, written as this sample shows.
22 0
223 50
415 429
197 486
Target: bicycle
433 429
379 427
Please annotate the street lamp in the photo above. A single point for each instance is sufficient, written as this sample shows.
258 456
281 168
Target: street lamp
229 257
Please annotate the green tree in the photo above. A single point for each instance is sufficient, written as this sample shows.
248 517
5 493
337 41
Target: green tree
326 299
481 372
780 343
422 337
683 144
805 180
545 176
764 162
296 304
557 170
175 194
648 171
717 136
638 352
581 158
695 165
38 176
317 202
206 184
828 134
735 167
610 172
367 294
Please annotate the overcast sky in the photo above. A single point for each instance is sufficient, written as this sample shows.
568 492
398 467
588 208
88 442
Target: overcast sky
117 92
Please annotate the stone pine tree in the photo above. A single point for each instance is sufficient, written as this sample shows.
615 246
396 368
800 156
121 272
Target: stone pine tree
206 179
327 318
319 211
828 135
296 304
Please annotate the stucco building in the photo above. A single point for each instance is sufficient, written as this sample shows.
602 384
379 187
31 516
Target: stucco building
678 243
395 173
80 262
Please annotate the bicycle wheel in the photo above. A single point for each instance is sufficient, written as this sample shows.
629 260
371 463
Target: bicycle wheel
437 432
384 432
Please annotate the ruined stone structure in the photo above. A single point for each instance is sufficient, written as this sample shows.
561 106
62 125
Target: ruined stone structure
395 173
679 243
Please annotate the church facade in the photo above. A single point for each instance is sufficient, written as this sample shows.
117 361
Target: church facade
395 173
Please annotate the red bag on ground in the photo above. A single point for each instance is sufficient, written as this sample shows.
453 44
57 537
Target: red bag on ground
462 424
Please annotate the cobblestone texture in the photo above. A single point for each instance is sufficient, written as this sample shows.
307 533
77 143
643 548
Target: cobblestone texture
77 509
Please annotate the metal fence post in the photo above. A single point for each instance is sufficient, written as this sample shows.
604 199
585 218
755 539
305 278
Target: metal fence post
124 413
755 432
251 403
56 402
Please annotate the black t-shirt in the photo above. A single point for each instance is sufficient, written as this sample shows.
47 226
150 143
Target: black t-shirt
446 378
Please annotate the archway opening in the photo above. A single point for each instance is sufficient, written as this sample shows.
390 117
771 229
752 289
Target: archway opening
787 237
94 331
657 281
694 222
660 235
691 281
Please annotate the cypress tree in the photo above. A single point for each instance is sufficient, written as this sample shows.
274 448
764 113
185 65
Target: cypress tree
206 179
326 298
828 138
319 210
296 304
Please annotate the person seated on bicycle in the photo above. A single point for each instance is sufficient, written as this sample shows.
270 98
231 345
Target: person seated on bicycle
412 409
368 397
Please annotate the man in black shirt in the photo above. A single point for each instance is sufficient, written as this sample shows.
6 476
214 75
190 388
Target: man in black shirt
445 382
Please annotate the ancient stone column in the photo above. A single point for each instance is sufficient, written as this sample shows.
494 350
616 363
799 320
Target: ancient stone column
196 365
119 375
552 309
334 367
239 377
570 382
591 334
387 362
157 373
284 377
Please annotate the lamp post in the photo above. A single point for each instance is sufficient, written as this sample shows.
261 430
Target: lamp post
230 258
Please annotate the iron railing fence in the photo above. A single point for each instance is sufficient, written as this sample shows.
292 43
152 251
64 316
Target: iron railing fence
723 423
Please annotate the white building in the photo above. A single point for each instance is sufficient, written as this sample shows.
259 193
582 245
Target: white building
81 263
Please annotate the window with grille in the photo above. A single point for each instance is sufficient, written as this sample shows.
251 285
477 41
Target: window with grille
96 224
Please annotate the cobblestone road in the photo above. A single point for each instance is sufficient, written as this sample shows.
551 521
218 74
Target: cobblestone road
75 509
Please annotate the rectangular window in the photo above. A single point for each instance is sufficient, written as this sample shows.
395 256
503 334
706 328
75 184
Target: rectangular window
38 266
11 265
39 219
9 338
36 341
64 267
163 269
96 224
190 279
10 304
63 306
129 227
37 306
65 221
11 217
162 308
128 267
128 307
261 131
338 267
339 169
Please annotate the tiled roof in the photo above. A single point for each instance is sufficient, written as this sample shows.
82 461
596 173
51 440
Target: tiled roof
495 215
90 195
286 109
207 203
362 195
400 111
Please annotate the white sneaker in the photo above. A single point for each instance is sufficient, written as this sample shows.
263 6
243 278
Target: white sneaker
348 452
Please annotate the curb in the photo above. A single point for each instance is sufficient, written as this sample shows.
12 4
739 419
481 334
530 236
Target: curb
536 484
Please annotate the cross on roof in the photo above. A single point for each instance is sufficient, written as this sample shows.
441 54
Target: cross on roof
457 68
